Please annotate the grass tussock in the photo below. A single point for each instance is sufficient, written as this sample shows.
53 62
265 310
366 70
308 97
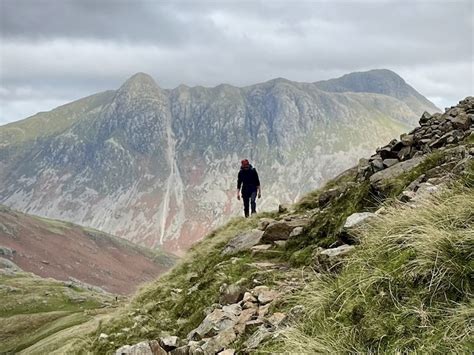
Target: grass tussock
407 287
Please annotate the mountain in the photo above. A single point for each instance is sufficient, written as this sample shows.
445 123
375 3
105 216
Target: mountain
158 166
379 81
65 251
378 260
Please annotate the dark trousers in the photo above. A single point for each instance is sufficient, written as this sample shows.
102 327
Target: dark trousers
249 199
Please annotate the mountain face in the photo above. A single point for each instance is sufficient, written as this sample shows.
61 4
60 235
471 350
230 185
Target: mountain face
159 167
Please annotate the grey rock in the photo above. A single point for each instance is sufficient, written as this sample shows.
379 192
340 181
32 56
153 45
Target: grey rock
425 118
264 222
389 162
281 230
379 179
356 219
243 241
215 322
404 153
461 121
142 348
231 294
296 232
257 338
407 139
219 342
377 164
337 252
169 343
264 294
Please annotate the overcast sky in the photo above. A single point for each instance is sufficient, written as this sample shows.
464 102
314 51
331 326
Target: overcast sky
56 51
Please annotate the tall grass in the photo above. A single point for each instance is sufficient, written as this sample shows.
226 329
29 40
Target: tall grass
408 286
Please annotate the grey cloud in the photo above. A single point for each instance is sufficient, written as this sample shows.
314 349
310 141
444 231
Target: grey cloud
63 50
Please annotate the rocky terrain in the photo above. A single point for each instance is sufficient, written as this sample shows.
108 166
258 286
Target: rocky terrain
158 166
68 252
379 259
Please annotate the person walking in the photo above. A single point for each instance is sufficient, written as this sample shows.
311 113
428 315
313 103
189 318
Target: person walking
248 186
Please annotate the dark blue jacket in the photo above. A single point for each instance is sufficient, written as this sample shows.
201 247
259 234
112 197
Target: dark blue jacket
248 180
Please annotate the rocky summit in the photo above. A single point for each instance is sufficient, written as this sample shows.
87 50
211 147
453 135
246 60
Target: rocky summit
158 167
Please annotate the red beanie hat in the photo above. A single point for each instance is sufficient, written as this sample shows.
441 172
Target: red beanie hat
245 162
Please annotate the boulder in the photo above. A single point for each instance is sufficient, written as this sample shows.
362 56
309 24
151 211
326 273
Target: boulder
244 317
142 348
231 293
276 319
169 342
404 153
243 241
407 139
264 294
357 219
281 230
425 118
337 252
277 231
296 232
389 162
257 338
461 121
330 258
264 222
219 342
264 249
215 322
379 179
248 297
387 153
377 164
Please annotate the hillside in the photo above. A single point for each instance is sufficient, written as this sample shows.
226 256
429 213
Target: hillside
141 162
36 310
64 251
378 260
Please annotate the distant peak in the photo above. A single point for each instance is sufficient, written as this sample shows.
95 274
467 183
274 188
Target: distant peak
139 80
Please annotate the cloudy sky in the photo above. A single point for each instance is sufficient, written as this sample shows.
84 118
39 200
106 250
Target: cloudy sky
55 51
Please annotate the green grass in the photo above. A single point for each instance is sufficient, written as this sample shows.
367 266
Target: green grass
407 288
35 308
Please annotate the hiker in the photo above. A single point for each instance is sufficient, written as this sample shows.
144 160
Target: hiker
250 184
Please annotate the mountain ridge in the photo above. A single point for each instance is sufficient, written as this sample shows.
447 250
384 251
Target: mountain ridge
140 162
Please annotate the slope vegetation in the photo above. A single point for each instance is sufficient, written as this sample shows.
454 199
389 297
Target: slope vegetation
34 309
